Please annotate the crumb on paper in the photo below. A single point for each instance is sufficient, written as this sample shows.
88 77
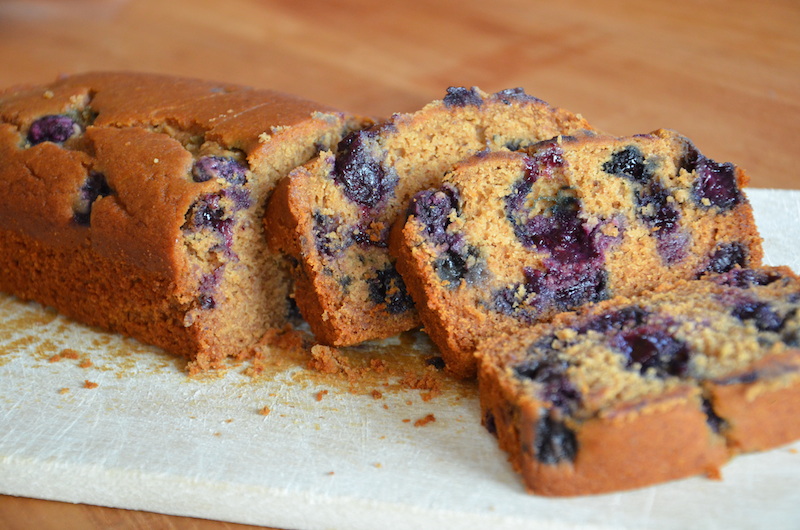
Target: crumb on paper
89 384
377 465
424 421
793 450
64 391
229 420
330 473
86 363
406 420
319 395
264 411
69 353
55 358
376 394
327 360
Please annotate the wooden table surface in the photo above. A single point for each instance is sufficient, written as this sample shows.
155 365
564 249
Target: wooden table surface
725 73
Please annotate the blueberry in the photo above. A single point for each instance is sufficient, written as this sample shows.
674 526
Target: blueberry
554 441
208 213
716 423
550 372
432 209
727 256
745 278
208 284
458 96
361 175
650 347
760 313
93 188
715 185
213 167
510 95
624 318
370 234
629 163
55 128
329 239
490 423
658 213
436 361
387 288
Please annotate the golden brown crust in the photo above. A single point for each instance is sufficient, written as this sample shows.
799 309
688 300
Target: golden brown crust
141 134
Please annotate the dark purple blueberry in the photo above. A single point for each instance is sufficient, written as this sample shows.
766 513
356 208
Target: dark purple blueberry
459 96
554 442
366 234
208 285
55 128
716 423
761 314
208 213
550 373
659 214
361 176
432 208
562 287
454 266
330 240
214 167
95 187
490 423
715 185
745 278
629 163
727 256
436 361
561 233
614 321
651 347
387 288
510 95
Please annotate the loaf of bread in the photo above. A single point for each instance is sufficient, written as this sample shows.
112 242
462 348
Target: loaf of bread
134 202
332 217
513 238
634 391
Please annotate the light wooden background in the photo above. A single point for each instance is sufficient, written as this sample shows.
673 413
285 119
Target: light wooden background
726 73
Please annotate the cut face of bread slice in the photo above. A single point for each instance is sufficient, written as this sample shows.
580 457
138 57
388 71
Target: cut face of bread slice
333 216
513 238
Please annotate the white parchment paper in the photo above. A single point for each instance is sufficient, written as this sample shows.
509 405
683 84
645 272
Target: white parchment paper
149 438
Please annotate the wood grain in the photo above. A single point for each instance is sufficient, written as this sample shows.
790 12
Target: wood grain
726 73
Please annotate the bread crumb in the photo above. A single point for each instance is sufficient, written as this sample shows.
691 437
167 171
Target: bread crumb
155 160
376 394
86 363
54 359
793 450
264 138
48 94
69 353
424 421
63 391
89 384
320 395
377 465
327 360
264 411
406 420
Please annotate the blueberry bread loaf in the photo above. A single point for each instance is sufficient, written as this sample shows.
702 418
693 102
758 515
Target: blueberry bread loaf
134 203
511 239
332 217
635 391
